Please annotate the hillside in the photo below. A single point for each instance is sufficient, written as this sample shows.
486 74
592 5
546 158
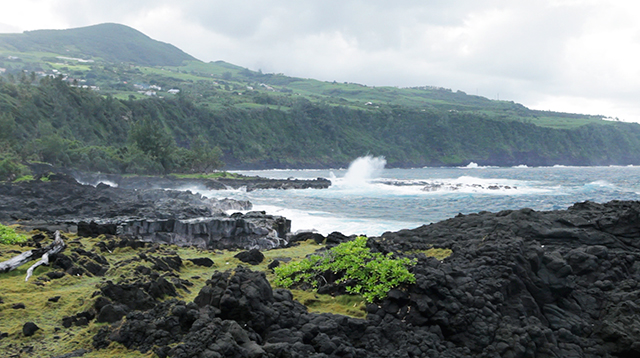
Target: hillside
158 110
109 42
152 68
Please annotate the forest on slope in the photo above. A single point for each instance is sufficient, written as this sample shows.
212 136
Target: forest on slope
54 122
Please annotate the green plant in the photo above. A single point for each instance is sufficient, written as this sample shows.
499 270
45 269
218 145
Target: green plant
363 272
8 236
24 178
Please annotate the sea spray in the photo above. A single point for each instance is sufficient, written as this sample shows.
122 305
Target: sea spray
362 170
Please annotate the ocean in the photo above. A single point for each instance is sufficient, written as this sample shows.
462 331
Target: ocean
369 199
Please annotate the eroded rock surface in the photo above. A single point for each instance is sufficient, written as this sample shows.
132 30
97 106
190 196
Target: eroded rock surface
518 284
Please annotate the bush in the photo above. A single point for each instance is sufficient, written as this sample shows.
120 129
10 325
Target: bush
10 169
8 236
370 274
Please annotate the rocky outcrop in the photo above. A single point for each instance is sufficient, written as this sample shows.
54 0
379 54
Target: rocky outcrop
152 215
518 284
63 199
528 284
224 181
253 230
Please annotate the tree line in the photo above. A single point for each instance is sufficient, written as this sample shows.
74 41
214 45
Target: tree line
67 126
71 127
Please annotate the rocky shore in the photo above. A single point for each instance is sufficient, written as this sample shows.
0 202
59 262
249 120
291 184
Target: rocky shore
153 215
518 283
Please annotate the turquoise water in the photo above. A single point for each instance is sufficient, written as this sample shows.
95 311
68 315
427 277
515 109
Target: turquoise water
369 199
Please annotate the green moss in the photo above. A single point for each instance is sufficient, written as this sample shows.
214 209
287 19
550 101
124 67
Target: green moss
347 305
439 254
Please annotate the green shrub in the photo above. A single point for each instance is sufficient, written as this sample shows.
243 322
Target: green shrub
10 168
370 274
8 236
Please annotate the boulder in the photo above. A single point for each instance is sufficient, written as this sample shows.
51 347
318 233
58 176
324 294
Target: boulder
252 257
29 329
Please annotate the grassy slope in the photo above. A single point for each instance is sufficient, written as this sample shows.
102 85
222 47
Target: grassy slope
217 84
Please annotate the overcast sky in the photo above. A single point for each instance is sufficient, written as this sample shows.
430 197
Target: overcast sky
579 56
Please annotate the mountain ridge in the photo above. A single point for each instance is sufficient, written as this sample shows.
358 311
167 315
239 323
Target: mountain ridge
109 41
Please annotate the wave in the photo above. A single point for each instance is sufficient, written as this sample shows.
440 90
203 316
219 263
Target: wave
600 183
474 165
96 183
326 223
363 169
463 184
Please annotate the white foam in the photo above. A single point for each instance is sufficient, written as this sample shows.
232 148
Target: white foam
473 165
601 183
326 223
107 182
362 170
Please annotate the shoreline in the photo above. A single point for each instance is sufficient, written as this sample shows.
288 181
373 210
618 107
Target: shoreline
542 283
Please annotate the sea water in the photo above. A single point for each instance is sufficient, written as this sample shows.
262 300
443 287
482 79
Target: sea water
369 199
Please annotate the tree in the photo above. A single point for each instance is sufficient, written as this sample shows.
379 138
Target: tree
7 127
206 158
153 140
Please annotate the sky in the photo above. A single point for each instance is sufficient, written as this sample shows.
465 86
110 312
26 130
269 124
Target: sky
578 56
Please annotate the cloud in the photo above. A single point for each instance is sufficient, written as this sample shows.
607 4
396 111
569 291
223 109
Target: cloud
575 55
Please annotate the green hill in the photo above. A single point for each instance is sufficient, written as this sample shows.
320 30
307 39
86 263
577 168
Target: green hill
143 106
109 42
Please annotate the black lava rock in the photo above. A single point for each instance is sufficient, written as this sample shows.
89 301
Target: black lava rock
517 284
304 236
55 274
273 264
112 313
252 257
202 261
29 329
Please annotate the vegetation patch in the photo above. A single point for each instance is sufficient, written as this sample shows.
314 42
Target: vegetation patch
351 263
9 236
77 293
438 253
347 305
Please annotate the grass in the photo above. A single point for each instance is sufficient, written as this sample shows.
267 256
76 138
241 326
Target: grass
346 305
439 254
76 296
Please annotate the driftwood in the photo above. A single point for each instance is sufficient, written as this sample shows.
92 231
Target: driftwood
43 253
